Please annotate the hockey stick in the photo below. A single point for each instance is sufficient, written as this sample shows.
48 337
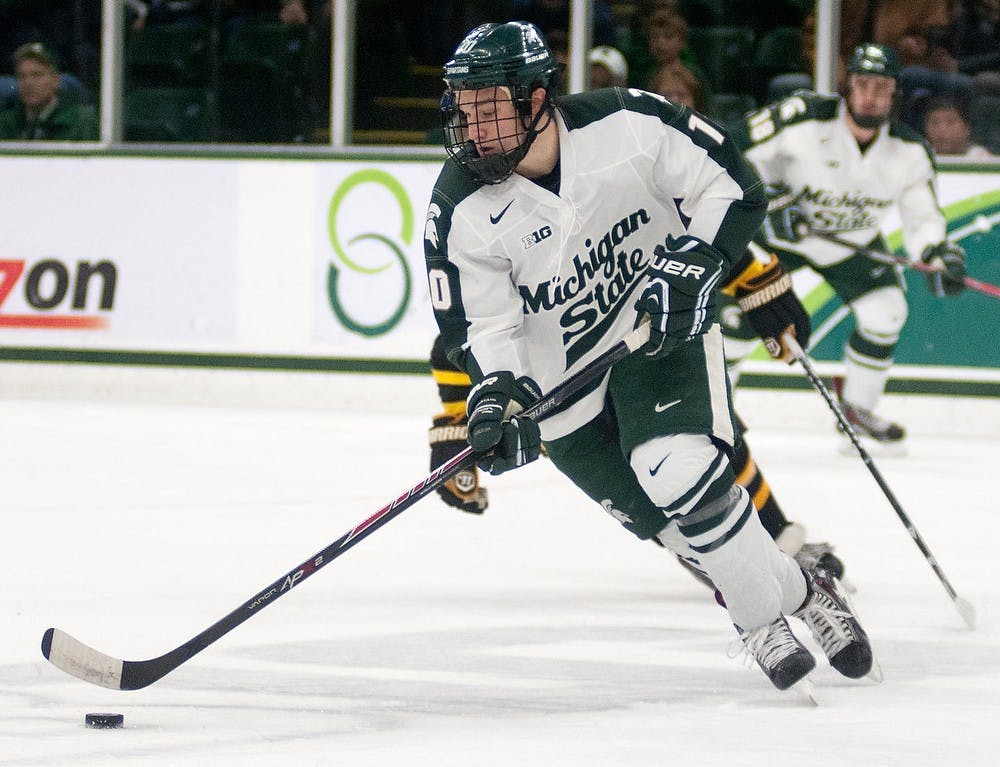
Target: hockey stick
965 609
90 665
889 258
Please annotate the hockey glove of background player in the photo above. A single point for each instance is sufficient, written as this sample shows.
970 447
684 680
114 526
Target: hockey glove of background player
764 292
680 295
948 261
502 439
448 438
785 220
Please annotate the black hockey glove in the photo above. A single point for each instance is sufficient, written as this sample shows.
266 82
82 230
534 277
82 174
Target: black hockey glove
948 261
449 437
680 295
764 292
502 439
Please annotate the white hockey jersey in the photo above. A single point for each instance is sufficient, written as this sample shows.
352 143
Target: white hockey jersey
539 284
803 143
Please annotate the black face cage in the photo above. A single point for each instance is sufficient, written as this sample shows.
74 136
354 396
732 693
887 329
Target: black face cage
497 167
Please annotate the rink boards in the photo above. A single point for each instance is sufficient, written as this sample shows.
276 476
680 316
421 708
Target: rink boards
312 264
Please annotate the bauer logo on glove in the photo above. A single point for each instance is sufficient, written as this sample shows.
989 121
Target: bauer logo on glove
679 297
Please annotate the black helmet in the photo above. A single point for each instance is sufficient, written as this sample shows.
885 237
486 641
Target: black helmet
514 56
874 59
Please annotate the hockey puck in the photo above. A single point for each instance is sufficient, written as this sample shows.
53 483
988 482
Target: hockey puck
104 721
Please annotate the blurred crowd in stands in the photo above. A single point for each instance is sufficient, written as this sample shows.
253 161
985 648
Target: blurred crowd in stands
258 70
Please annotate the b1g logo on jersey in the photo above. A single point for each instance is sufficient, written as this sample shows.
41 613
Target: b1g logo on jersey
531 240
51 284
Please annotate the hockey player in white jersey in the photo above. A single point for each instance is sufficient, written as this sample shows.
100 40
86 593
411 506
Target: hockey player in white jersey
555 226
838 166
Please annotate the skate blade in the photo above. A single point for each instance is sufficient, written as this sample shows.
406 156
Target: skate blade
874 448
876 674
803 689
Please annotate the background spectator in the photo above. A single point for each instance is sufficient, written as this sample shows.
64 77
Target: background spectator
947 129
911 27
559 45
973 36
69 29
678 84
40 115
662 41
607 67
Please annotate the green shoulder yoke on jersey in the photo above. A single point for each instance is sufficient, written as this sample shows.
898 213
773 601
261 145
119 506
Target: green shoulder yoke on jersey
583 109
453 186
744 216
763 124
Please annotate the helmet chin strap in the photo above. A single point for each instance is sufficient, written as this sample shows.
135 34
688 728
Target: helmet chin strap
494 170
531 131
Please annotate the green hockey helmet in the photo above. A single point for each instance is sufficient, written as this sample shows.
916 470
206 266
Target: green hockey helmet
874 59
514 56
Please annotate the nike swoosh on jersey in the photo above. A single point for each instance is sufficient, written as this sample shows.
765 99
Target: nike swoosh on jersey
654 469
496 219
660 408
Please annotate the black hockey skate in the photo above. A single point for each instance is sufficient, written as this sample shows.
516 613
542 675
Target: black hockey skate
865 422
813 555
792 540
779 654
829 616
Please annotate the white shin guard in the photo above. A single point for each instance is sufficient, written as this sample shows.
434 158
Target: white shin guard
724 538
879 317
756 579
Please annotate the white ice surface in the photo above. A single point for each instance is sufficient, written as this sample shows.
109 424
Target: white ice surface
536 634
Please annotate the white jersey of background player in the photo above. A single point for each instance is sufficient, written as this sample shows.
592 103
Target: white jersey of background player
838 166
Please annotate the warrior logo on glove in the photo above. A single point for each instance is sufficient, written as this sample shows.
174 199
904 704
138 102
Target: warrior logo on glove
764 292
448 437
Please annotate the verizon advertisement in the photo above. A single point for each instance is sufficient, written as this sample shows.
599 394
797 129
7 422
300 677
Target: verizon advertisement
118 253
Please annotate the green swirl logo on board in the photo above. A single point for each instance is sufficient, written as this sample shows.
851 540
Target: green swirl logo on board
391 244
